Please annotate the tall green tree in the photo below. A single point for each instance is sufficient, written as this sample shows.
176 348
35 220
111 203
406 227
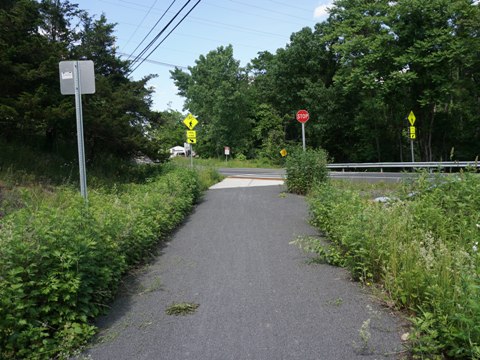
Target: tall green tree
35 37
402 56
216 91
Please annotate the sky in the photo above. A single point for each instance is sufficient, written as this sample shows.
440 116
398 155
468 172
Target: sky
250 26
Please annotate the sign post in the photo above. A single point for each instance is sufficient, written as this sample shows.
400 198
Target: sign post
303 116
227 152
412 132
190 122
77 78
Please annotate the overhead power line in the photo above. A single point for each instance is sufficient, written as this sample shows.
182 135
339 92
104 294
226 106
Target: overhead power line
153 27
208 22
292 6
140 24
150 44
270 10
166 37
156 62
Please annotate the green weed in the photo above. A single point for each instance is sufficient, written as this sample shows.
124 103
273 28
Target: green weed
364 347
422 249
182 309
61 262
305 169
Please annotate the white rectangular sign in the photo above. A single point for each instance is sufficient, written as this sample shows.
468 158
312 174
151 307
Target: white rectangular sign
87 77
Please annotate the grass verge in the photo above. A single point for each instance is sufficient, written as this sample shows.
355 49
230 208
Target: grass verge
421 249
231 163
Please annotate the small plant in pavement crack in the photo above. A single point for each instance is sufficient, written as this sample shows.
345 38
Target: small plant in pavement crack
182 309
365 335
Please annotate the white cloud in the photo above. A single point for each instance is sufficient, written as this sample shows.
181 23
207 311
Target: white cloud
321 11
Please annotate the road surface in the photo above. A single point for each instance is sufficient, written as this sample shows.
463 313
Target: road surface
348 175
258 296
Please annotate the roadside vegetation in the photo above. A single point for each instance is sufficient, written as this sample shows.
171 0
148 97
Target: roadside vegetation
305 169
421 249
62 261
238 162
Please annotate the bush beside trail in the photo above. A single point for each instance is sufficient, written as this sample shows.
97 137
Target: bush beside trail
61 262
305 169
421 249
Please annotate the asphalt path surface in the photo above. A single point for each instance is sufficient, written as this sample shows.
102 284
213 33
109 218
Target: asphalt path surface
259 297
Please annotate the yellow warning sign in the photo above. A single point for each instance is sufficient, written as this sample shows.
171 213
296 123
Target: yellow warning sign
190 121
191 134
413 132
283 152
411 118
191 141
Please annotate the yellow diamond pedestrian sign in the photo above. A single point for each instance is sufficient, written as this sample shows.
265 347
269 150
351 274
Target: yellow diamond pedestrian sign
412 118
190 122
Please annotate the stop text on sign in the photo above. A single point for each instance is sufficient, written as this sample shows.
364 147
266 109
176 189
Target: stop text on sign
303 116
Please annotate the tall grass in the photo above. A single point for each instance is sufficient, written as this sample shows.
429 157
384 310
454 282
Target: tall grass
422 249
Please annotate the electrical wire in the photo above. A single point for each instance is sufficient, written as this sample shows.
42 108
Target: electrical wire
150 44
203 21
270 10
290 5
166 37
153 27
140 24
254 14
156 62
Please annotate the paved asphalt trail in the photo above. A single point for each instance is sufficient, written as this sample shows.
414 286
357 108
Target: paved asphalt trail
258 296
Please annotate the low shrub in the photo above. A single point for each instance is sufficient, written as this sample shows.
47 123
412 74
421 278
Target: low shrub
422 249
61 262
305 169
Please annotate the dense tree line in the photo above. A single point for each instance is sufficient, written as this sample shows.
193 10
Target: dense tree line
118 119
359 73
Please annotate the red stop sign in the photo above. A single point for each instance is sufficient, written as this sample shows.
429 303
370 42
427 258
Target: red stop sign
303 116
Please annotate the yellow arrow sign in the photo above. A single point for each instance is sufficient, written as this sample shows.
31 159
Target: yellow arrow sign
411 118
191 141
190 121
191 134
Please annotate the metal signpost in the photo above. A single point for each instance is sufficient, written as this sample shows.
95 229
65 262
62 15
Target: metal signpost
190 122
412 132
303 116
77 78
227 152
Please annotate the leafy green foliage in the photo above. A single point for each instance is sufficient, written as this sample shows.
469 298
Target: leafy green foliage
359 74
61 262
36 36
421 248
305 169
216 92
